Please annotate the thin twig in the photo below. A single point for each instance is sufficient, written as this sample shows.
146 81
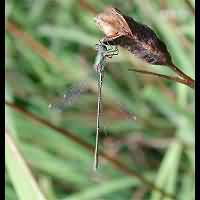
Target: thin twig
173 78
116 162
188 80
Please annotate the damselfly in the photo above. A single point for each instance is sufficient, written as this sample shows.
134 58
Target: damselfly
103 52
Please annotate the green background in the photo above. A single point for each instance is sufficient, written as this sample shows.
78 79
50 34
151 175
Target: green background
158 145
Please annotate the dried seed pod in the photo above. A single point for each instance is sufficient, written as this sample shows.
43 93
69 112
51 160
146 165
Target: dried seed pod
139 39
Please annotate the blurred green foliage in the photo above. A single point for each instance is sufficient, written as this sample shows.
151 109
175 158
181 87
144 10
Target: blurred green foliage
159 144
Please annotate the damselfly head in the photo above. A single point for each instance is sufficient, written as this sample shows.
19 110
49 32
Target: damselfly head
101 47
106 50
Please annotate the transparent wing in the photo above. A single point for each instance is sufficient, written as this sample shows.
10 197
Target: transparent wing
71 96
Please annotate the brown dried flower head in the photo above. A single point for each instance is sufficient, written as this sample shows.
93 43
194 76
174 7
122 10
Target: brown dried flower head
139 39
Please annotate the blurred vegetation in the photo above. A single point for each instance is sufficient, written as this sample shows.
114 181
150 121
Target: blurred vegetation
43 164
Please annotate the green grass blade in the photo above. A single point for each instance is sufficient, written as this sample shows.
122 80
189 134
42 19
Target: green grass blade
167 174
99 191
23 181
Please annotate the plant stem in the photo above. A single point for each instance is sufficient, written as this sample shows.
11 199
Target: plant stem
187 80
184 81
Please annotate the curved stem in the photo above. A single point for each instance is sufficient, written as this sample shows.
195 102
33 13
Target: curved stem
173 78
188 80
